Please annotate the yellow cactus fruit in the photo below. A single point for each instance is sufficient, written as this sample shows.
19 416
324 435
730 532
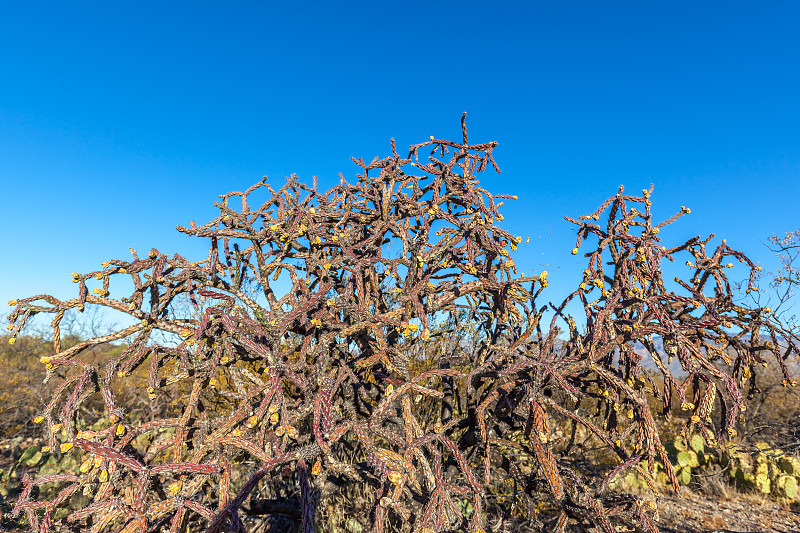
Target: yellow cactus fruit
395 477
86 465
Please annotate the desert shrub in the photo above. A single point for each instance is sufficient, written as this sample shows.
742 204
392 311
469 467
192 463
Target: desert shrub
775 407
377 335
26 388
21 393
774 410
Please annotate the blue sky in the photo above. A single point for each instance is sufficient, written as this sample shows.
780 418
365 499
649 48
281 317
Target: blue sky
118 123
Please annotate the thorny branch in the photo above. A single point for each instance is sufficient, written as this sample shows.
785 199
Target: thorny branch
322 335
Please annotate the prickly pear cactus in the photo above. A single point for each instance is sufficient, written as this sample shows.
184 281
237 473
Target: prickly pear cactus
761 480
697 444
786 486
688 459
790 465
765 469
762 468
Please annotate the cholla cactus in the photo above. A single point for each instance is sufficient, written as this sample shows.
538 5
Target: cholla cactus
327 346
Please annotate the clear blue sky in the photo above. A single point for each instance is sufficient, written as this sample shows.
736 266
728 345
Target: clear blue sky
119 121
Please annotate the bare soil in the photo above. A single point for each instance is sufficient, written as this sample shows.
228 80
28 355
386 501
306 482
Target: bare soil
743 513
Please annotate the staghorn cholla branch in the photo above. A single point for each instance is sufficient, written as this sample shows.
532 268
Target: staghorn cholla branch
379 332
